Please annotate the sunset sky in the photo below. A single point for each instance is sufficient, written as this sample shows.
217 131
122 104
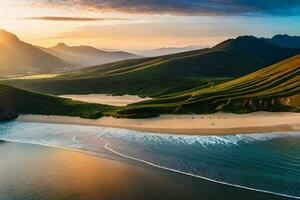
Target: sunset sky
146 24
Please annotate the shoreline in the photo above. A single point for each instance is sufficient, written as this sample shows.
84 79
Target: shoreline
208 124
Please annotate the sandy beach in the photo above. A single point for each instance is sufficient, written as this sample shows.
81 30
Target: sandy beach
106 99
210 124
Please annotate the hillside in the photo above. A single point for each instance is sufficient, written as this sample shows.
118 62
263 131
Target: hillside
164 75
15 101
18 57
83 56
285 41
275 88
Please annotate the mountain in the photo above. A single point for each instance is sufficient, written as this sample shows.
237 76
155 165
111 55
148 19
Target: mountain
15 101
285 41
166 51
168 74
275 88
18 57
83 56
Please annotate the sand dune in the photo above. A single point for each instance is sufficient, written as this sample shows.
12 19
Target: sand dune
216 124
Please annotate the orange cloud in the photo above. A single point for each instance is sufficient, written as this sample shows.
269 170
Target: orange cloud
184 7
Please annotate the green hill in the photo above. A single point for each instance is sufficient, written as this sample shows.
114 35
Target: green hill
275 88
164 75
15 101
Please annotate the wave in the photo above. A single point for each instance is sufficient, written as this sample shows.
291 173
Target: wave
58 129
196 176
110 149
134 145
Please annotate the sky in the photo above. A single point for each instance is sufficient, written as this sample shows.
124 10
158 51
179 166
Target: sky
146 24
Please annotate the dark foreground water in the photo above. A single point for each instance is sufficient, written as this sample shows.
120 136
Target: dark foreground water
160 166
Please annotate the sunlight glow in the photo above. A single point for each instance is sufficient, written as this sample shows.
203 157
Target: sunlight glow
134 31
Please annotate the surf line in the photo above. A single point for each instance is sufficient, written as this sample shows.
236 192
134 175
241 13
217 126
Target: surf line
107 147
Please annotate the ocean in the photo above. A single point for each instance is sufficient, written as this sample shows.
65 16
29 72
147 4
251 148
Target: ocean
263 163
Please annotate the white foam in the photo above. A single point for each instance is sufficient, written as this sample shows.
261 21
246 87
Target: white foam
48 129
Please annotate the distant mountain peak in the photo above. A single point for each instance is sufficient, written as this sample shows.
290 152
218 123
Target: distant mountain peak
167 50
61 45
82 55
284 40
64 46
247 38
282 36
240 42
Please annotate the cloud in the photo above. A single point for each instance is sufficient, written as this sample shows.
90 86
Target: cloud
185 7
79 19
141 35
146 31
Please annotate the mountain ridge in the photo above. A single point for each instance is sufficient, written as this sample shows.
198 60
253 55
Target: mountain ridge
284 40
166 51
164 75
84 56
18 57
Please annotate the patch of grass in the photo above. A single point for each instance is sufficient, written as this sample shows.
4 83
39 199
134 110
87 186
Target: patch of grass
27 102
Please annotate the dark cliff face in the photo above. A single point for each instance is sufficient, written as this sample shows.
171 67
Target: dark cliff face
7 114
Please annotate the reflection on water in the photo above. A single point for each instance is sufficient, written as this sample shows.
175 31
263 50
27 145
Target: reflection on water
30 172
270 163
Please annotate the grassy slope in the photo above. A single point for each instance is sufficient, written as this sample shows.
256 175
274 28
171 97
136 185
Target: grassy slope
163 75
275 88
26 102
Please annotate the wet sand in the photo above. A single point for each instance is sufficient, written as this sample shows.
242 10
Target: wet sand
214 124
31 172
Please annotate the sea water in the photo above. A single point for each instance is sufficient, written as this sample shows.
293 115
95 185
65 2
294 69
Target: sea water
268 163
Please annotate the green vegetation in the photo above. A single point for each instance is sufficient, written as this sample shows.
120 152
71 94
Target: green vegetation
275 88
26 102
164 75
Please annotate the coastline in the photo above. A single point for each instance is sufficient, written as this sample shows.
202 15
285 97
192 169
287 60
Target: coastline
208 124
